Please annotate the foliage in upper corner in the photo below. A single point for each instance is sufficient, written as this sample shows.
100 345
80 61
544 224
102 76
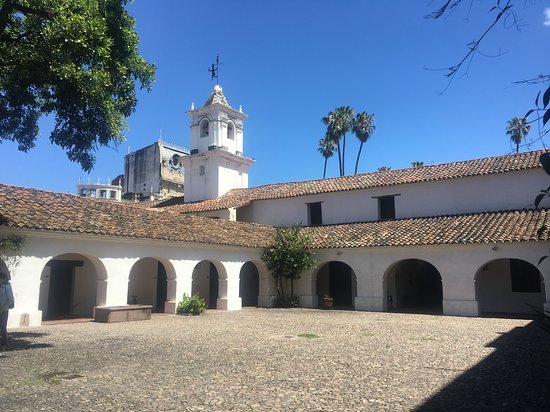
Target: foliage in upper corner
191 305
288 257
545 162
10 244
76 59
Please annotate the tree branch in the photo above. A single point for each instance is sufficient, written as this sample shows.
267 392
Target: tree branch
473 46
10 6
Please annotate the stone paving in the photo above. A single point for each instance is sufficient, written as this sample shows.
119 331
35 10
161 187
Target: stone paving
279 360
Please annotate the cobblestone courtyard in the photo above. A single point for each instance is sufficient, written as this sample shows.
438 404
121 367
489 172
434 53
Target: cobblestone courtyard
279 360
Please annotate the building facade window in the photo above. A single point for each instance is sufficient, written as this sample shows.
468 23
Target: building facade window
204 128
314 214
230 131
201 170
386 207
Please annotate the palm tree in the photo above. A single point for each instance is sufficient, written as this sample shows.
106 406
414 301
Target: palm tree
383 168
338 124
417 164
326 148
363 128
517 129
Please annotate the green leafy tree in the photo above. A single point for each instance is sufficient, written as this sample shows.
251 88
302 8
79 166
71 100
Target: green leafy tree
363 128
338 124
288 257
517 129
77 60
327 147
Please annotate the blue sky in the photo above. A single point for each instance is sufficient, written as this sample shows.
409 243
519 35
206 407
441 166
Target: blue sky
288 63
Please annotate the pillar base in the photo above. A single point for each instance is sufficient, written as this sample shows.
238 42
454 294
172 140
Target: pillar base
456 307
266 301
229 304
307 301
18 319
370 304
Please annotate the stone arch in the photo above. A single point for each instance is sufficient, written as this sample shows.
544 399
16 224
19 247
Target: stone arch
413 285
249 284
152 282
71 285
337 280
509 286
204 126
206 279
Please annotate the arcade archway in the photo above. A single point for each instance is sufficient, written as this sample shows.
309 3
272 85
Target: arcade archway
337 280
205 282
249 285
71 285
413 285
509 286
148 283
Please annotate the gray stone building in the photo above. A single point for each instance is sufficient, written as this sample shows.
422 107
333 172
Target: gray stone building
156 171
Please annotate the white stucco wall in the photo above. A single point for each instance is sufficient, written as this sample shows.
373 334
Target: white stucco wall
506 191
114 260
457 265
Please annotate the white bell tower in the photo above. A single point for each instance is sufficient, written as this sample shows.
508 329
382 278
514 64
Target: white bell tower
216 163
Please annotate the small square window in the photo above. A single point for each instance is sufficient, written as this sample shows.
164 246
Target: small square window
386 207
315 214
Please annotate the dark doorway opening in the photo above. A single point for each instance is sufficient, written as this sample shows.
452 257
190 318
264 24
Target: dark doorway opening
162 285
60 292
337 281
249 285
213 287
414 285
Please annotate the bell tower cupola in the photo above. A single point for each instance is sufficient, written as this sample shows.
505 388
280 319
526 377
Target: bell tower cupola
216 163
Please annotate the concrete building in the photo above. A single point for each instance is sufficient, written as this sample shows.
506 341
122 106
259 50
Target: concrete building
155 172
458 238
105 191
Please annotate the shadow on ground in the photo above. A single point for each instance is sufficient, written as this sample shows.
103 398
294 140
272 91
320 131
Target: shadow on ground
26 341
513 378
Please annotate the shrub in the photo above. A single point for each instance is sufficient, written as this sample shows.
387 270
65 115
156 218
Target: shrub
191 305
292 302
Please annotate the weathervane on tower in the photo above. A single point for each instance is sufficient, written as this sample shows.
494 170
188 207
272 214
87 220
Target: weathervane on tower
215 69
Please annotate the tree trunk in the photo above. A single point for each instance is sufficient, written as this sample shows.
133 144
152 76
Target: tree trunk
343 172
325 169
339 157
5 11
358 155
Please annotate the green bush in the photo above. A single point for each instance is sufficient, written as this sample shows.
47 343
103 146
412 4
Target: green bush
191 305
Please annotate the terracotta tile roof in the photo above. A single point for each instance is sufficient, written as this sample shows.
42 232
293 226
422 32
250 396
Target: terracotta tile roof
59 212
478 167
64 213
478 228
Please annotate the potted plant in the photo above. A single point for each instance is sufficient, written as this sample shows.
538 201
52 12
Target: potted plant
328 301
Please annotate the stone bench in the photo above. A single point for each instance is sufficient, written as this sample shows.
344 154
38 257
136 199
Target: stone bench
127 313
